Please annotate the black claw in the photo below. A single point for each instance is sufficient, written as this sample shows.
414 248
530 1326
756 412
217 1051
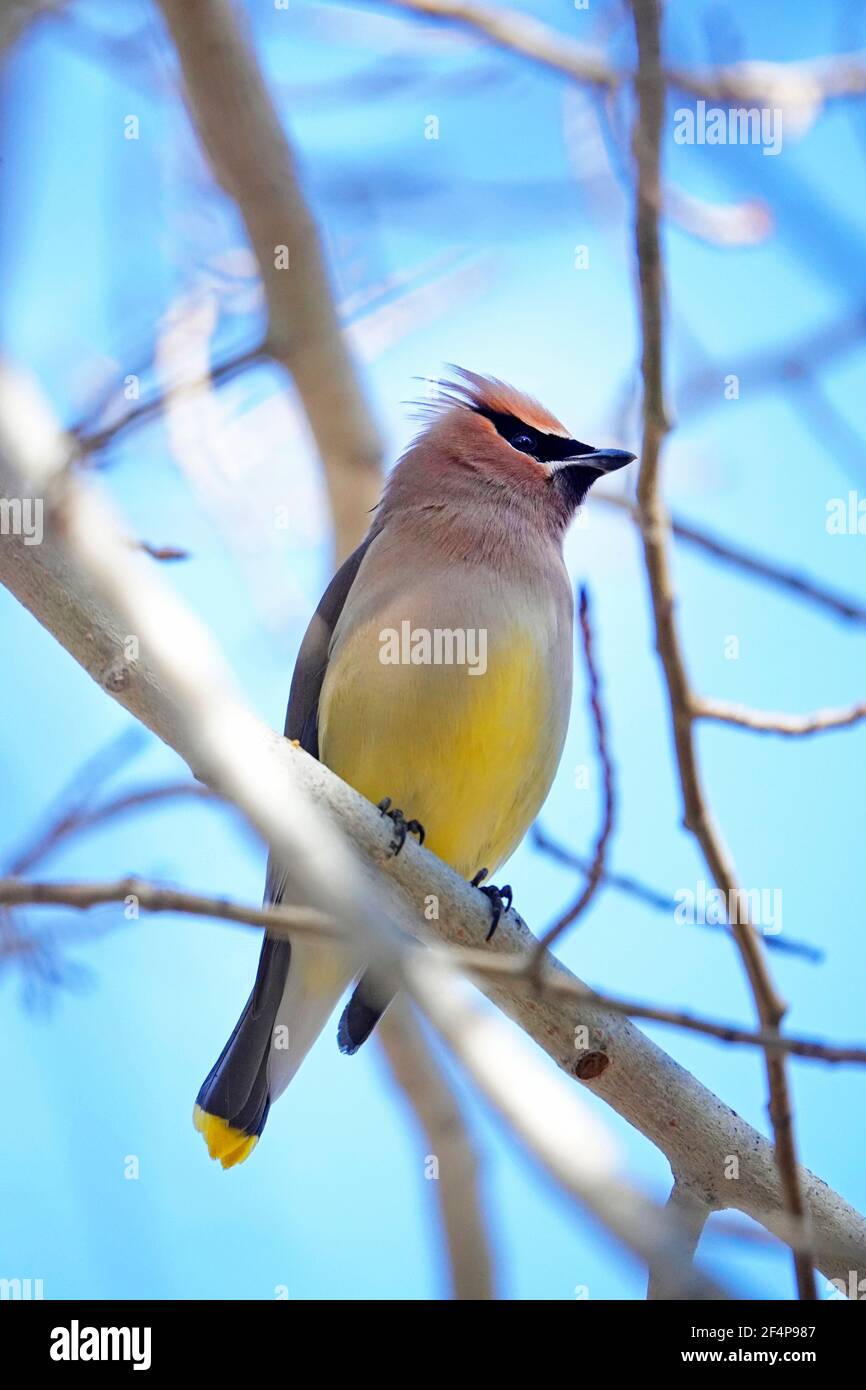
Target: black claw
500 901
479 878
402 826
415 827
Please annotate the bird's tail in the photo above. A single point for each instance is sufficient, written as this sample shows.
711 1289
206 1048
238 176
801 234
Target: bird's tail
361 1014
297 986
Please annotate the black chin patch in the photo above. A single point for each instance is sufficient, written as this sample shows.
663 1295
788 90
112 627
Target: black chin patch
545 448
574 482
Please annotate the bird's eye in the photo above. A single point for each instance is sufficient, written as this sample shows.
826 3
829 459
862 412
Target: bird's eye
523 441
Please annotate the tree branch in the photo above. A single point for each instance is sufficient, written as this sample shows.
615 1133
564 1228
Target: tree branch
807 83
659 902
286 921
766 722
431 1097
596 870
655 526
252 160
792 581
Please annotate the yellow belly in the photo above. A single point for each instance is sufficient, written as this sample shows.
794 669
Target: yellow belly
470 757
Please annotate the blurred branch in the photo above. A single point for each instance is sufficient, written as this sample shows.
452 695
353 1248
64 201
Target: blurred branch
661 902
652 897
764 370
595 875
790 725
481 965
87 588
91 440
806 588
567 1140
18 15
692 1213
162 552
802 585
431 1097
253 162
79 820
521 33
808 83
655 528
746 223
625 883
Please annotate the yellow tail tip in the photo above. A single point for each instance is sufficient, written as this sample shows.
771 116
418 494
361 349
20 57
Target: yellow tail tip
223 1141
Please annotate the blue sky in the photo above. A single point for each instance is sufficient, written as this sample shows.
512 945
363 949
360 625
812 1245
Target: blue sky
102 237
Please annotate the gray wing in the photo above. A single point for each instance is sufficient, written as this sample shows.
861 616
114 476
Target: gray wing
302 715
236 1088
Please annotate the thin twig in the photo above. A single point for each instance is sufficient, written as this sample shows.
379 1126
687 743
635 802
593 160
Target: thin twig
812 82
279 921
81 819
92 440
162 552
793 581
654 524
596 870
153 897
660 902
767 722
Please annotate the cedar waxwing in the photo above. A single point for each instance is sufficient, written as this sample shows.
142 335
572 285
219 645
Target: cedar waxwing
436 676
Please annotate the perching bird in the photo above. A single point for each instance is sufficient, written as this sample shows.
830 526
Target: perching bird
436 676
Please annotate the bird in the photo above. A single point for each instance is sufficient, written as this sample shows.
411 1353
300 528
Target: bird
435 676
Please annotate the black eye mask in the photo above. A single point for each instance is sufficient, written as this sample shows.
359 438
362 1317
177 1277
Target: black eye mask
546 448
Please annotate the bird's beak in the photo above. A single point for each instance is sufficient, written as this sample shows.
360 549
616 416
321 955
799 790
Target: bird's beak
605 460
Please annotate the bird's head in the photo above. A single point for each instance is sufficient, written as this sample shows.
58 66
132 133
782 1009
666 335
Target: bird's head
483 432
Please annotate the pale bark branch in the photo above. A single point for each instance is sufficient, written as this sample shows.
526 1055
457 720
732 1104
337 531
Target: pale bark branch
768 722
432 1099
691 1126
254 163
655 527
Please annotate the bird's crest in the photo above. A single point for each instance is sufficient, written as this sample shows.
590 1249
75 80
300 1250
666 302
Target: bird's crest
488 395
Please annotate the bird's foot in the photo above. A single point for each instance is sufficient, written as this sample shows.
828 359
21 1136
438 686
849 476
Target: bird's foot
402 826
500 900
